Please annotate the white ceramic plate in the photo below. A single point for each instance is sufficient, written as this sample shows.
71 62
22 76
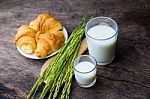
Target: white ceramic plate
33 56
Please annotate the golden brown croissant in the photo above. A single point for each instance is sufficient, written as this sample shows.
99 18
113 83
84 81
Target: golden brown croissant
42 36
25 39
44 22
48 42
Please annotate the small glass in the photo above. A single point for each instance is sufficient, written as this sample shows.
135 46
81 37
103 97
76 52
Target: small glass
85 71
102 48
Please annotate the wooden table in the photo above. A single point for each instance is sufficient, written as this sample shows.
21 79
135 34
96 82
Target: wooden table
127 77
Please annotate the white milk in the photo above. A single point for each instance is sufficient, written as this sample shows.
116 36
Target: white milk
102 50
85 73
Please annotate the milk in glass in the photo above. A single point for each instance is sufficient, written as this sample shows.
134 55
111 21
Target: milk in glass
101 43
85 73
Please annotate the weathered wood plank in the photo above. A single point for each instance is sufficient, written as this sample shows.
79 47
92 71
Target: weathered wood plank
128 77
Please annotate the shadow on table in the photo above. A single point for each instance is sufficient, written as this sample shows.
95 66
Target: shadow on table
128 43
5 92
140 16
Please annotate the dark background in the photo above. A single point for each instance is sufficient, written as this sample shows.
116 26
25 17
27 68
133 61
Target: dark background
127 77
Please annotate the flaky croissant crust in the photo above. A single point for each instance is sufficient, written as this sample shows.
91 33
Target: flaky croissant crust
42 36
49 41
45 22
25 39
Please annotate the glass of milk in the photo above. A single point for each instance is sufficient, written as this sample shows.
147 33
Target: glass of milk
85 71
101 34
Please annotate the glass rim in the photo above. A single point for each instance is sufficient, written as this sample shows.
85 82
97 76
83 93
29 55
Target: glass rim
105 18
87 61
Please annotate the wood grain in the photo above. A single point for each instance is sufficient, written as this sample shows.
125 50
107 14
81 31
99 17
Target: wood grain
127 77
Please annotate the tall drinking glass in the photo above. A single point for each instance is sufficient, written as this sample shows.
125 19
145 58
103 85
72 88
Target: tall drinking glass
101 34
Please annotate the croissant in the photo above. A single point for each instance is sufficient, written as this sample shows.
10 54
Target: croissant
44 22
25 39
48 42
42 36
